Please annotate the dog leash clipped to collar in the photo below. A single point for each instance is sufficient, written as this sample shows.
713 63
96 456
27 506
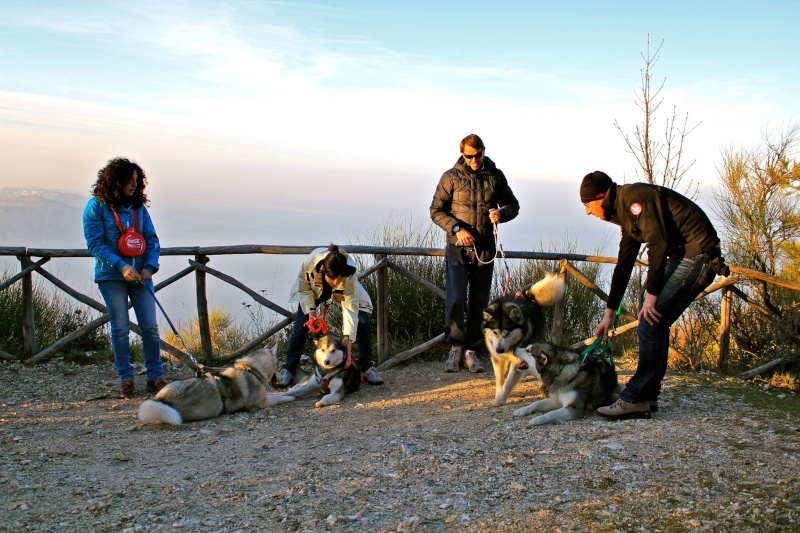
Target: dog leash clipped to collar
199 368
599 347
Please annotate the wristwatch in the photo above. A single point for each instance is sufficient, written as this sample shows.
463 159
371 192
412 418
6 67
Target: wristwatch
456 229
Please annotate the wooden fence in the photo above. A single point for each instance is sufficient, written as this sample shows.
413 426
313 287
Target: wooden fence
200 256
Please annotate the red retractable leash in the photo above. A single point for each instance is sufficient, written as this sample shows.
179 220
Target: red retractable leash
318 323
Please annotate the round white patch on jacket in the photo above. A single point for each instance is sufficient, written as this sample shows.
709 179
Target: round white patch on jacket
636 209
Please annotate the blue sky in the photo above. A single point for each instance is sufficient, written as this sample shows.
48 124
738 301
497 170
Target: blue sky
258 103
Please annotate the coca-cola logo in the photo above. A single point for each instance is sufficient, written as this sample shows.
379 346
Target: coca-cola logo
131 245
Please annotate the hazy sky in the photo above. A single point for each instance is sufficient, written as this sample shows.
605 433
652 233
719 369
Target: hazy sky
296 122
292 103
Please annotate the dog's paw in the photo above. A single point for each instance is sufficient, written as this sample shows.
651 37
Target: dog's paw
498 402
537 421
277 398
320 404
522 411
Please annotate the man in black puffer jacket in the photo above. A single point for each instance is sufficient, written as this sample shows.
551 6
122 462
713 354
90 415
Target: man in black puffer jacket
683 255
470 199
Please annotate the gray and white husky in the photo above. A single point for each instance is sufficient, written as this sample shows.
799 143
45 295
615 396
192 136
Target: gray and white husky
572 387
334 376
512 321
242 387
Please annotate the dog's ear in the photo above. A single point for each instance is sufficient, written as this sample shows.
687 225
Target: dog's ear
542 359
515 314
546 354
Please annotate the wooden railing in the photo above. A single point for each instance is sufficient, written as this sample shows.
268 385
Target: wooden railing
200 256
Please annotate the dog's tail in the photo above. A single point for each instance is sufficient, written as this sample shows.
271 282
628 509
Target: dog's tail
155 412
549 290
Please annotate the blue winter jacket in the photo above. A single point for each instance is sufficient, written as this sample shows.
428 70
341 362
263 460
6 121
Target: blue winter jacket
102 234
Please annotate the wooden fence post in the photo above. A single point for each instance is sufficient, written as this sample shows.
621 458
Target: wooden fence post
382 314
28 325
724 327
202 310
557 331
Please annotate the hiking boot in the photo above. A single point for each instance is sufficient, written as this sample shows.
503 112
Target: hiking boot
473 363
453 360
156 385
284 379
127 390
622 410
372 376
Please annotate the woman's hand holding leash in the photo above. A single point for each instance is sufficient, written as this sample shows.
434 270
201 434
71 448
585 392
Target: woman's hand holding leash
130 273
494 216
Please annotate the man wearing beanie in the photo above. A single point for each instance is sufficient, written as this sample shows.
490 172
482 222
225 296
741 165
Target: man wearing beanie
470 199
684 255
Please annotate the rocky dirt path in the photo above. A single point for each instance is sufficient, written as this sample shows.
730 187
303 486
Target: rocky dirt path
424 452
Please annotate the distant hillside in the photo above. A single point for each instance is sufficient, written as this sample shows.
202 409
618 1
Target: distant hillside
41 218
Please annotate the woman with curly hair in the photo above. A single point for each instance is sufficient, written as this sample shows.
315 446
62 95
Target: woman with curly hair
120 235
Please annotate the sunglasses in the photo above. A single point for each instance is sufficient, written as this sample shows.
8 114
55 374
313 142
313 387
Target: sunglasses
471 157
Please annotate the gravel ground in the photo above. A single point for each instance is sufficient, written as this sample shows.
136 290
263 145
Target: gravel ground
424 452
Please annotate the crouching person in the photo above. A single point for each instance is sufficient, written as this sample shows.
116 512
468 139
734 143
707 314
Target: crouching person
330 274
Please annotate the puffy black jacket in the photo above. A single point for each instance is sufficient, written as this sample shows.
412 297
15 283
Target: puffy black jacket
671 225
464 198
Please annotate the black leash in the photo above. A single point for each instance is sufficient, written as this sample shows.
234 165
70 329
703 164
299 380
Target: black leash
199 368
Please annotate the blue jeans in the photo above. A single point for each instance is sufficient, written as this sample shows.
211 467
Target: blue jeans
116 295
468 284
685 279
297 341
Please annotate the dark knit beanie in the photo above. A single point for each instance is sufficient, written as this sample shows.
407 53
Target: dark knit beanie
595 186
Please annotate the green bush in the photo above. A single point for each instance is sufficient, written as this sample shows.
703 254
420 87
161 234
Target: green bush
415 314
55 315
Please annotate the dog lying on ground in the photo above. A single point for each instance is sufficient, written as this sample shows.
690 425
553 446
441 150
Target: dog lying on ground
512 321
572 387
334 376
242 387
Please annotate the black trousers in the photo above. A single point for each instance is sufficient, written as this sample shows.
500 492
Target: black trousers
468 284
